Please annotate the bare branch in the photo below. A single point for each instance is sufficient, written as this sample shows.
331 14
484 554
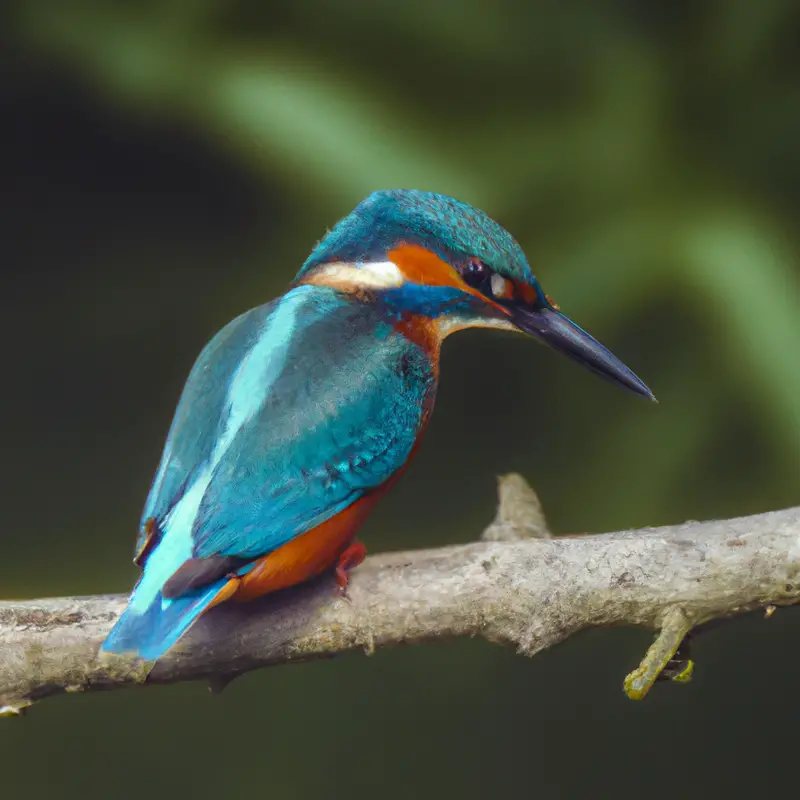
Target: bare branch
518 588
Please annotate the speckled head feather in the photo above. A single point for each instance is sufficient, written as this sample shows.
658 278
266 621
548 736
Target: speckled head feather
451 229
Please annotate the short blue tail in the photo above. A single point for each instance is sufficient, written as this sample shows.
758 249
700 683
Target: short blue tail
150 631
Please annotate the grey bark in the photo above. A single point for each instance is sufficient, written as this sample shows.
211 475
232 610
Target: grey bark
518 586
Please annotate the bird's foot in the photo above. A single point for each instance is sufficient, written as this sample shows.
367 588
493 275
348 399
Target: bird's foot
349 559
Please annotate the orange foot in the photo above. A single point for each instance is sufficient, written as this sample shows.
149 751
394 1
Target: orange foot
350 558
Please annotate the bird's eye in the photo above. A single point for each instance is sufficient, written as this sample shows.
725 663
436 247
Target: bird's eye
475 273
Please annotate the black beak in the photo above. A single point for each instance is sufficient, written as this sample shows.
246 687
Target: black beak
560 333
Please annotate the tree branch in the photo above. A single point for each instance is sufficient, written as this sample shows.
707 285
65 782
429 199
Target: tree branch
518 586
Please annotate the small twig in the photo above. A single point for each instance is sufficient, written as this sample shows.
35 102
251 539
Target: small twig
674 629
519 512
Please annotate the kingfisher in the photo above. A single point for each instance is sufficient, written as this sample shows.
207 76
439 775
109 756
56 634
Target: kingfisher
300 414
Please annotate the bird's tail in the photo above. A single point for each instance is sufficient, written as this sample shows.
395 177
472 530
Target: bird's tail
149 630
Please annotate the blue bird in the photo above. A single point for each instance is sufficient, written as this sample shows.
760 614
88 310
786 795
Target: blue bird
301 413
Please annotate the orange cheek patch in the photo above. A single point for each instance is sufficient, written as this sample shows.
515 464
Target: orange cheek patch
420 265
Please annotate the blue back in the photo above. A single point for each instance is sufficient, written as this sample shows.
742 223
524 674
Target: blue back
291 413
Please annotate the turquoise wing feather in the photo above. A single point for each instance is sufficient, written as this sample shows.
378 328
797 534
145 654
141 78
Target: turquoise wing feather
196 425
291 413
340 420
321 400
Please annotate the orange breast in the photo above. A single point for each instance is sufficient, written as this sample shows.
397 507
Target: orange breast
306 555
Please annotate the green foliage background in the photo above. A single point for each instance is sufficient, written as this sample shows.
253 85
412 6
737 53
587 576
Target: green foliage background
167 165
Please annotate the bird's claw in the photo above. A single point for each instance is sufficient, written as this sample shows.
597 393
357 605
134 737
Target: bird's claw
348 560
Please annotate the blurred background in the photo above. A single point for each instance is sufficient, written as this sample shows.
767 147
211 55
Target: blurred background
167 165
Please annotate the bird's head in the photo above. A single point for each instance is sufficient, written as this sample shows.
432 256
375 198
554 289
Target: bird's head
431 256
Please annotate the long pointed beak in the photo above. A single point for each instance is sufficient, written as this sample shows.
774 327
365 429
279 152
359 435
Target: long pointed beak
560 333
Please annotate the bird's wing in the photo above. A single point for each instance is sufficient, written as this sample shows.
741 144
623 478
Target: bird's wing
291 414
196 425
